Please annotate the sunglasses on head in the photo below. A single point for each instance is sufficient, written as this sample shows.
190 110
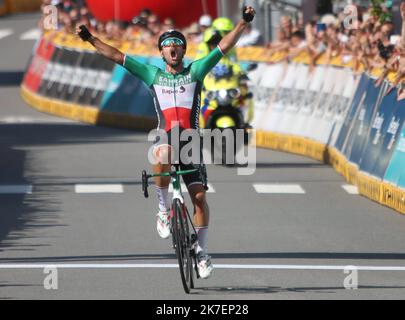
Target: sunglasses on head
172 42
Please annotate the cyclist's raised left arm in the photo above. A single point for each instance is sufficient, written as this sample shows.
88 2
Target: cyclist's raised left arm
230 40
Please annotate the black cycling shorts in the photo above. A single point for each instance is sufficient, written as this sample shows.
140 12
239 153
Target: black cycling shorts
198 177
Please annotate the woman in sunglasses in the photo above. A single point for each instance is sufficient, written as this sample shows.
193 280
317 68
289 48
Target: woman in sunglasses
177 92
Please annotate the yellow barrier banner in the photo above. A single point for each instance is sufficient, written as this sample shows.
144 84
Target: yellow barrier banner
16 6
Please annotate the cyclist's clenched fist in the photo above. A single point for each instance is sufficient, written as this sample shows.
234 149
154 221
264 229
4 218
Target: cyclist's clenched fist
248 13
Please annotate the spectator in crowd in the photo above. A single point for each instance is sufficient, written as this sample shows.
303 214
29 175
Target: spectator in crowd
285 29
153 25
168 24
204 23
251 37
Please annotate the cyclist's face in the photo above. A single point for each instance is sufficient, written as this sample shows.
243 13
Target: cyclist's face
173 54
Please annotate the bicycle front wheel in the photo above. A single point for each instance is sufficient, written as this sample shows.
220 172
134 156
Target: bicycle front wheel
182 242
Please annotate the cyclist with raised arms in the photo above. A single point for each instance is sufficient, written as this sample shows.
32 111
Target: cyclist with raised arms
177 92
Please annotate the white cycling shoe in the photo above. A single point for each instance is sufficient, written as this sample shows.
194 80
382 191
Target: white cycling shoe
204 265
163 224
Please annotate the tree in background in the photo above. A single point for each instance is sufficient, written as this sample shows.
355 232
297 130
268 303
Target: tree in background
382 10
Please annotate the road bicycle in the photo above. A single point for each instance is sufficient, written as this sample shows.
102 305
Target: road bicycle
184 235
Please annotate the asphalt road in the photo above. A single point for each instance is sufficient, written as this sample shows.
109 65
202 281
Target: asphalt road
265 246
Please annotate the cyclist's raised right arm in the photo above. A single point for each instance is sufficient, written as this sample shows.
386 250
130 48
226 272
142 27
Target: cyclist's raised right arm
107 51
101 47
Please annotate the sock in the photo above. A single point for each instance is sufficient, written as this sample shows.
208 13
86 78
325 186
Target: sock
163 197
202 236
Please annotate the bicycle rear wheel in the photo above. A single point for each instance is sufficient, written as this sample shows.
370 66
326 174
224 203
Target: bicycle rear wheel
182 242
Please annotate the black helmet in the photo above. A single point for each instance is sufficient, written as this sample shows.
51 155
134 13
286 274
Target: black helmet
172 34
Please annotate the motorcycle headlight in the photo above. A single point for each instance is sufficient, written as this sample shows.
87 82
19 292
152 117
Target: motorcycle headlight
223 94
223 97
234 93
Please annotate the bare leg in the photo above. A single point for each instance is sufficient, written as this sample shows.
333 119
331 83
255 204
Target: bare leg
201 209
163 156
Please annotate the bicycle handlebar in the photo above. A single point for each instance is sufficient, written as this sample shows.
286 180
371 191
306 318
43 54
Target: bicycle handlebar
146 177
145 185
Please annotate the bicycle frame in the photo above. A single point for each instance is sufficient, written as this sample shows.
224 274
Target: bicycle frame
186 221
177 194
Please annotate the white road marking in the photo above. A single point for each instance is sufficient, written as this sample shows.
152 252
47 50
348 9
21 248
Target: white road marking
5 33
16 189
99 188
350 189
217 266
23 120
211 188
33 34
279 188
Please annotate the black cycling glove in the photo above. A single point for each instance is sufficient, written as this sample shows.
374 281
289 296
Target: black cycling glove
248 17
84 33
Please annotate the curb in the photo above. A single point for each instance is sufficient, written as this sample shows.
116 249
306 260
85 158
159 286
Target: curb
369 186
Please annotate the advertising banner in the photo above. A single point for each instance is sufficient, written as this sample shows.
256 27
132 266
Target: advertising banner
255 77
396 170
128 94
57 75
88 88
38 66
391 138
63 74
304 127
70 90
324 112
75 88
379 127
68 73
268 85
363 122
347 126
288 122
282 99
350 83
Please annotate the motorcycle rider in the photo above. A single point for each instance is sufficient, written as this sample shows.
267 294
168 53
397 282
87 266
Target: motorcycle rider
223 26
231 70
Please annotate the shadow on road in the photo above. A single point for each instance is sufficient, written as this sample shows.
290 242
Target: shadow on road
11 78
215 256
22 213
273 290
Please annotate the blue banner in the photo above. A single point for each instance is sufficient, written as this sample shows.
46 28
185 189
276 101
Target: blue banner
360 92
362 122
390 139
396 170
128 94
379 128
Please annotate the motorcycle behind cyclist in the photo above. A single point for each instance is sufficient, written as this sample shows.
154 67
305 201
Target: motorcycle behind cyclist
227 104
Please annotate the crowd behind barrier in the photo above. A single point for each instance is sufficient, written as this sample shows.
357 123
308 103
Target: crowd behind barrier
333 112
367 40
